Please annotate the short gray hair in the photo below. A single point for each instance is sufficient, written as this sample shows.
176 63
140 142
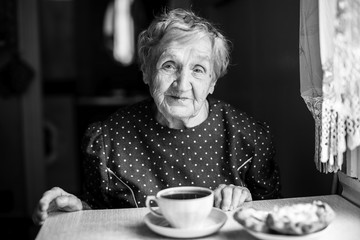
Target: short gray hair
187 21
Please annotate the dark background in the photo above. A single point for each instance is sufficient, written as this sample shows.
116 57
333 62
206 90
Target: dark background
79 82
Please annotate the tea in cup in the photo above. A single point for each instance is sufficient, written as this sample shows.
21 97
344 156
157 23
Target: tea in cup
183 207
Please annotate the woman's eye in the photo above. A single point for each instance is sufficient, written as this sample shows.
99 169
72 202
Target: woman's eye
199 69
169 66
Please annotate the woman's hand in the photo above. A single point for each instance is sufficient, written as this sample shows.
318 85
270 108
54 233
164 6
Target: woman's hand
55 199
229 197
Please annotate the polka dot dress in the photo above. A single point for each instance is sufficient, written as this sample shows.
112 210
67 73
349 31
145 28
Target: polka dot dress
130 156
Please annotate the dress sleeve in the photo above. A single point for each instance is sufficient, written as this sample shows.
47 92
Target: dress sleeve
95 178
262 177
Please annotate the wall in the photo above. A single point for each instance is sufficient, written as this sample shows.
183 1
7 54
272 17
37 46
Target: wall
263 80
12 186
22 166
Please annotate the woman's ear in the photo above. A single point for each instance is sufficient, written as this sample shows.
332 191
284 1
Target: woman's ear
145 78
212 86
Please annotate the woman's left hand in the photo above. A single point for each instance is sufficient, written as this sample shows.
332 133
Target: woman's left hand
229 197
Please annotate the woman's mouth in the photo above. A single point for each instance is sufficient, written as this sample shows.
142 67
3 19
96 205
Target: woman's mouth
178 99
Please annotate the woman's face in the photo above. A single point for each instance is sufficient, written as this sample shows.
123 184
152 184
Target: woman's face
182 78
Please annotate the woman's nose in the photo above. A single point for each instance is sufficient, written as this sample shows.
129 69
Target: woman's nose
182 82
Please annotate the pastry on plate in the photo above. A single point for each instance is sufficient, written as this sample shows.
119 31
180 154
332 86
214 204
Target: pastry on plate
296 219
300 219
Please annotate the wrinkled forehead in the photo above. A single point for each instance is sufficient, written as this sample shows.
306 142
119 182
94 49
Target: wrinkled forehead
177 37
183 36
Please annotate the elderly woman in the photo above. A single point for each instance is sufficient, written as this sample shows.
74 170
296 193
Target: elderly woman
180 136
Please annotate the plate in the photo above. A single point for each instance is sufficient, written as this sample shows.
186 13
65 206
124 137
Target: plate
279 236
271 236
212 224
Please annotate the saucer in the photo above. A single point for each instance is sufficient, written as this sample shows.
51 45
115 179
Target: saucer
212 224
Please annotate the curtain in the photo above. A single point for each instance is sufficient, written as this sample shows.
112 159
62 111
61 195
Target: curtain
329 45
310 68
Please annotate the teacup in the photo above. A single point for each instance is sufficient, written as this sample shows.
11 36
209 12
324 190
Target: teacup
183 207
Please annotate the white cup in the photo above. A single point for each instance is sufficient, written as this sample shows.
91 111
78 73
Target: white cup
183 207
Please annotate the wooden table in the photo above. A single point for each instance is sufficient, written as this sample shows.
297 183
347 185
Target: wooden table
128 223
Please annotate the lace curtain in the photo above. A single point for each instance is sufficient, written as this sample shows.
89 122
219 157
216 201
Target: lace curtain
330 77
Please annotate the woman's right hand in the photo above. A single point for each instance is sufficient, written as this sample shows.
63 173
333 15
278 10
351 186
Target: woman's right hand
55 199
